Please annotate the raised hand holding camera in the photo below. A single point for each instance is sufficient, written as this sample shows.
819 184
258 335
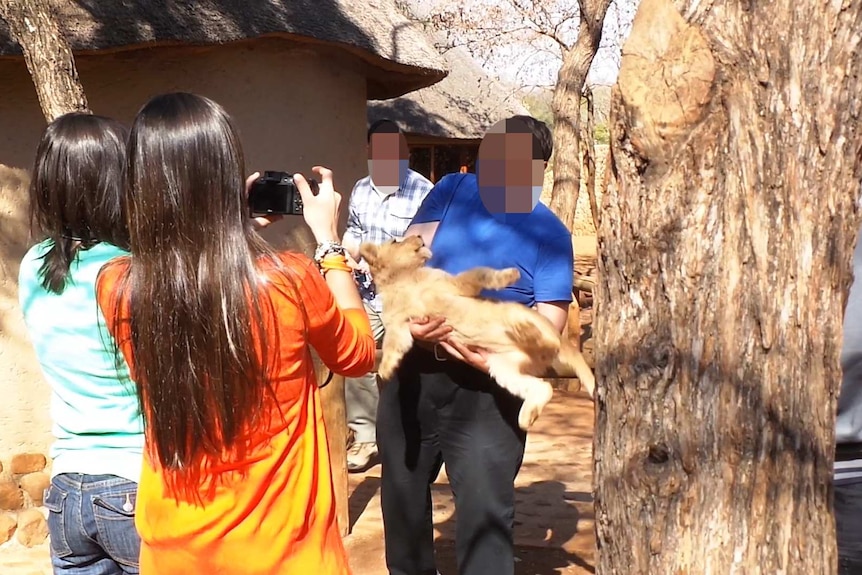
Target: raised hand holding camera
261 221
275 193
320 210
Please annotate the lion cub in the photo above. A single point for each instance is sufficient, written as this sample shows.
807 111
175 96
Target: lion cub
522 343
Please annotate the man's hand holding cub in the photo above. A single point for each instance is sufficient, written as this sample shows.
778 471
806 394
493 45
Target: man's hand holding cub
474 356
430 329
435 330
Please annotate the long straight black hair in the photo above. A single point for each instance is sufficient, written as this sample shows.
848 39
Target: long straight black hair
76 190
196 305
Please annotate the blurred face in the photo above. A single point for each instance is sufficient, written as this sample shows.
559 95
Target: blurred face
388 159
510 179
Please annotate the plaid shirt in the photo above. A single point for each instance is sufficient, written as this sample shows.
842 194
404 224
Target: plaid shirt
376 217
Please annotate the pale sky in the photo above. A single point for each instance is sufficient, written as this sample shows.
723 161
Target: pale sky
524 65
540 68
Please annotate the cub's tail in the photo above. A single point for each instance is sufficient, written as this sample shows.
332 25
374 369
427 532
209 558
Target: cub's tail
571 358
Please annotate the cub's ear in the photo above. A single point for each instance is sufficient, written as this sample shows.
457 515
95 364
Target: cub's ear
369 252
414 242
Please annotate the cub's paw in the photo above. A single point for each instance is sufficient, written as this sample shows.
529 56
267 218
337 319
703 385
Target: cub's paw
510 275
506 277
386 369
536 400
528 415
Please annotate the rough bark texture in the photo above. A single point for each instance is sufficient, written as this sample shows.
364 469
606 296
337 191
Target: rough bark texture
588 136
566 106
724 266
47 54
607 177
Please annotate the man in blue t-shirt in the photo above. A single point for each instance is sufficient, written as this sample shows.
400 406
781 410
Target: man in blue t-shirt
442 406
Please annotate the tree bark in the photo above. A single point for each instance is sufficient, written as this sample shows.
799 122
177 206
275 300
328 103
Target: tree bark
335 420
572 333
589 138
723 274
47 54
566 105
606 177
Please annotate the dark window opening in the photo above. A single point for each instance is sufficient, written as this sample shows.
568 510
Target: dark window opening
435 161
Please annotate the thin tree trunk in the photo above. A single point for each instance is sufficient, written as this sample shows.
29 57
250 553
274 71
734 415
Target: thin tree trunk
567 176
606 176
572 333
723 272
47 54
566 106
588 137
335 420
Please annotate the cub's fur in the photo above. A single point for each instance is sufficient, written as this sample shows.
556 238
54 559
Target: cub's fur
522 344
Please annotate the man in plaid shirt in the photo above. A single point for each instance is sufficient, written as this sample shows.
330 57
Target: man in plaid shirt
381 206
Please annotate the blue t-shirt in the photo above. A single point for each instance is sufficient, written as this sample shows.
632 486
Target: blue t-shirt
468 235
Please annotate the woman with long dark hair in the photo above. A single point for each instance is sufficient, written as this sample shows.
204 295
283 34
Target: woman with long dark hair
218 330
75 203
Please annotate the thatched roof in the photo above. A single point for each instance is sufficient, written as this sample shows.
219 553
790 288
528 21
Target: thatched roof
399 57
463 105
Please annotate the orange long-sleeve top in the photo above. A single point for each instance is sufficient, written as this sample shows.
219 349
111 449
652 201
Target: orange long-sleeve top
274 511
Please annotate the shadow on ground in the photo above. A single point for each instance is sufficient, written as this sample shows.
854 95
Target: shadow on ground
528 560
362 496
547 520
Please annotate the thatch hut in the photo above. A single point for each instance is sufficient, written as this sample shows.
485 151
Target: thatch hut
295 74
444 123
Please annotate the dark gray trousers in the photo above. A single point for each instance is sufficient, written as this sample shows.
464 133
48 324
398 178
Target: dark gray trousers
848 527
433 412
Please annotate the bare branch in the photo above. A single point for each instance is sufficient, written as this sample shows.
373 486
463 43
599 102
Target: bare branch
553 36
542 29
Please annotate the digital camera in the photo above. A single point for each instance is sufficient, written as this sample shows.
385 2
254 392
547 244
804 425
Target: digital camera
276 193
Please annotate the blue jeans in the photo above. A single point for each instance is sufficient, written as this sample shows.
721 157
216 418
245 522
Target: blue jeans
91 521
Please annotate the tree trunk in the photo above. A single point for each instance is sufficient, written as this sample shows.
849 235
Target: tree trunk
589 138
567 108
606 178
335 420
47 54
723 274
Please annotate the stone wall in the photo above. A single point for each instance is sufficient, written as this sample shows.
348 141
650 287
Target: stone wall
23 480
